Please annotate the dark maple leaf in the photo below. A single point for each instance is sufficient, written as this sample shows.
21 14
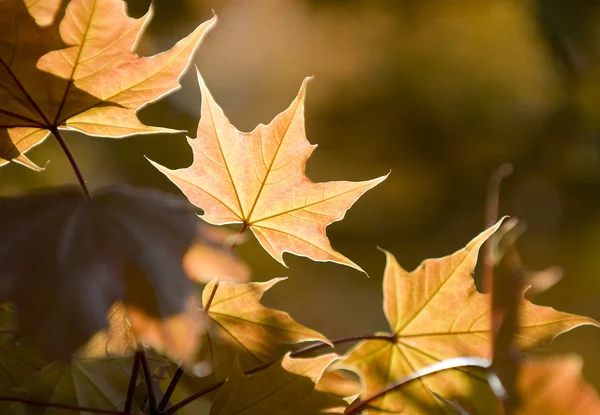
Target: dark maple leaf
66 259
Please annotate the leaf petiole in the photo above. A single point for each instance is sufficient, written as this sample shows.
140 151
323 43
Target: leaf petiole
74 165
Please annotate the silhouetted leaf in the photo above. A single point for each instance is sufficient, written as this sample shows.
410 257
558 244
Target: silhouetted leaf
69 259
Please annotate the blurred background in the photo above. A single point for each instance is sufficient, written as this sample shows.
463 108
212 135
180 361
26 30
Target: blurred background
439 92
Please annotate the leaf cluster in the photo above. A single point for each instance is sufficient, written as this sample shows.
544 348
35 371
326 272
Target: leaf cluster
122 300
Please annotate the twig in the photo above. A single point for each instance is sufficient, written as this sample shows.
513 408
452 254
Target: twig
148 381
340 340
170 389
132 383
428 370
193 397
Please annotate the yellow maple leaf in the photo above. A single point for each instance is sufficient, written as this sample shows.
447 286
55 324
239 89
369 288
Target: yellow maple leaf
257 179
84 77
435 313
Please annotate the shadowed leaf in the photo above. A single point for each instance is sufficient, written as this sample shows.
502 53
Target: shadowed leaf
123 244
18 363
99 382
285 388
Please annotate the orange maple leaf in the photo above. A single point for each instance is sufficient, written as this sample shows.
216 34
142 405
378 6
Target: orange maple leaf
554 386
436 313
84 77
257 179
240 326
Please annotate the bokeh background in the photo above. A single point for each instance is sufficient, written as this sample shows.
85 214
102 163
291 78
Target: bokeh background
440 92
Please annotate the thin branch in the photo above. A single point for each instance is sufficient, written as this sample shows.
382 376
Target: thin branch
193 397
335 342
72 160
148 380
170 389
428 370
66 407
132 383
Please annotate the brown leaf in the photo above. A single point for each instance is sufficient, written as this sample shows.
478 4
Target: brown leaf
69 259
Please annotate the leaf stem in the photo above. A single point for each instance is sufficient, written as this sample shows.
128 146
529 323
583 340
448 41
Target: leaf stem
238 235
170 389
148 380
335 342
211 297
66 407
132 383
453 363
72 160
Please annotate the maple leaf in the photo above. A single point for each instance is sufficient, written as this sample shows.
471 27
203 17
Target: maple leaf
19 363
554 386
436 313
84 77
123 244
257 179
43 11
339 383
239 326
284 388
213 258
117 339
94 382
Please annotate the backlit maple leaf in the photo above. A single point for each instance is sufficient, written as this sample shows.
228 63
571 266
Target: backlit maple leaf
241 327
81 74
554 386
435 313
258 179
